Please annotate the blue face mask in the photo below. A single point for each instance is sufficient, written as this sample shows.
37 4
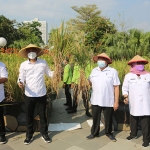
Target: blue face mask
101 63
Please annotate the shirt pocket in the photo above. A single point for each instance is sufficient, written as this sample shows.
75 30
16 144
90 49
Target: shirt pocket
146 83
40 69
133 84
109 78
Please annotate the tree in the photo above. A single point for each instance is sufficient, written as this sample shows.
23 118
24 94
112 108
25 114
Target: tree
84 14
28 33
95 29
7 29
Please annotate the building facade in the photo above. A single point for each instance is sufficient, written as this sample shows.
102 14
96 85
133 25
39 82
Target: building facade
43 28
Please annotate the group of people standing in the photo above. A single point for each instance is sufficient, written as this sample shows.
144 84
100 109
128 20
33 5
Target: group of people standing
104 82
71 80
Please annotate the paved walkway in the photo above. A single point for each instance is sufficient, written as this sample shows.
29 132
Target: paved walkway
72 140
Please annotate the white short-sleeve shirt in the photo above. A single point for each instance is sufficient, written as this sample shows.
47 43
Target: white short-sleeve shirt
3 74
103 83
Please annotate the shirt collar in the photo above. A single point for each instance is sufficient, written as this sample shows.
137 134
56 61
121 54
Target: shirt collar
106 69
35 61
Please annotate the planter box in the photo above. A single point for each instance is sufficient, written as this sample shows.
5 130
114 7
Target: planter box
121 118
15 118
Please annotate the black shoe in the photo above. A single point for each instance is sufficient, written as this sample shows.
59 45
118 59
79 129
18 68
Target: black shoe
112 138
91 136
27 141
46 138
145 144
66 104
2 140
88 114
130 137
68 108
71 111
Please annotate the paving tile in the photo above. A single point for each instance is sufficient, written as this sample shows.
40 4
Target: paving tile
74 148
5 147
121 144
59 134
73 139
57 145
90 144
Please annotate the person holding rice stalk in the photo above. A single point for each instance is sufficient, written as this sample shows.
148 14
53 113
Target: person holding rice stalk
105 83
84 88
3 79
136 92
31 76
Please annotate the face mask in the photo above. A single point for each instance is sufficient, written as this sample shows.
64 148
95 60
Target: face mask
139 67
101 63
32 55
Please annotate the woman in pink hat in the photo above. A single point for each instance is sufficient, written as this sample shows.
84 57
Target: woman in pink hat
136 92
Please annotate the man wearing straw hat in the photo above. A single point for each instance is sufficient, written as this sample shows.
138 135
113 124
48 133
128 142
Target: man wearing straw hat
136 92
31 76
105 95
3 79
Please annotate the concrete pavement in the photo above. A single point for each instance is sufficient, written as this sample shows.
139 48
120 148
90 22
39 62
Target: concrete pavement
72 140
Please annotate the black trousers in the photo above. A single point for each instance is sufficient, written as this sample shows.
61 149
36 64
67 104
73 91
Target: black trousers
96 113
68 94
85 97
2 126
31 103
145 125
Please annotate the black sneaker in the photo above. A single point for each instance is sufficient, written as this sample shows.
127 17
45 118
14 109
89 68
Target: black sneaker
46 138
130 137
2 140
112 138
27 141
145 144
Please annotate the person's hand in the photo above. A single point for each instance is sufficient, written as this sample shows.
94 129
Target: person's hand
63 85
126 101
72 85
116 105
20 84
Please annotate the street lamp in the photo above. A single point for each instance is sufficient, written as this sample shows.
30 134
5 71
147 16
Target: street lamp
3 42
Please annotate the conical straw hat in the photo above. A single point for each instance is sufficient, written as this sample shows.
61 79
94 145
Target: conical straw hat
103 55
137 58
24 53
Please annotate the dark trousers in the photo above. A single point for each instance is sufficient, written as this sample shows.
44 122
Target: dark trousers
96 113
2 126
145 125
68 95
85 97
40 103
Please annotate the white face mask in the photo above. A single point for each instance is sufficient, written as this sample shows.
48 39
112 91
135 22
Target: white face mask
32 55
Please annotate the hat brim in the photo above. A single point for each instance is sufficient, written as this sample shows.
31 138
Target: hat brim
95 58
134 61
23 52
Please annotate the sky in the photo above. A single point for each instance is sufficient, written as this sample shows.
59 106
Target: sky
131 13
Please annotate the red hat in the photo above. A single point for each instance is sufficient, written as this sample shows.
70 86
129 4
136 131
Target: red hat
102 55
137 58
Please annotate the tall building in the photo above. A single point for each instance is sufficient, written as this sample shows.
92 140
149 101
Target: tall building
43 28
